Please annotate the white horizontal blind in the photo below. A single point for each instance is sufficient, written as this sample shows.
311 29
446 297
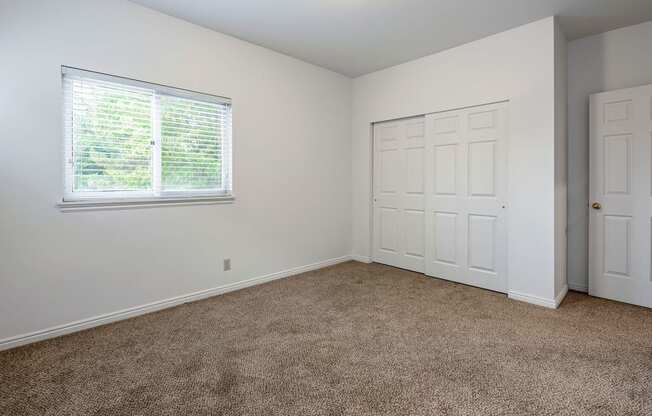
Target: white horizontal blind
126 138
108 136
191 156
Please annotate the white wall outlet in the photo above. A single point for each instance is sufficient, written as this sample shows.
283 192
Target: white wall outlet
227 265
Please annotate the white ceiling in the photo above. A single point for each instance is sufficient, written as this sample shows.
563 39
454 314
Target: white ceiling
355 37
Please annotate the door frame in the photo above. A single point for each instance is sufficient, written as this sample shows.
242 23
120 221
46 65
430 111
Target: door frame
508 107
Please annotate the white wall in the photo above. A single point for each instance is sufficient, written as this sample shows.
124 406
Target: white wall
561 162
292 138
517 65
618 59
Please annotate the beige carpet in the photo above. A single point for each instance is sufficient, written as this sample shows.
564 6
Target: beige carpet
352 339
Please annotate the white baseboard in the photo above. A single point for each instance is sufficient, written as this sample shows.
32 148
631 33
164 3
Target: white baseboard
560 296
361 259
83 324
578 287
537 300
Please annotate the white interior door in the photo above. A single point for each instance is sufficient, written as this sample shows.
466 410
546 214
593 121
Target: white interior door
621 195
466 175
398 193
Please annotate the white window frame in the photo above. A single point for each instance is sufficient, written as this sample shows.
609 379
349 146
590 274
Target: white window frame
73 201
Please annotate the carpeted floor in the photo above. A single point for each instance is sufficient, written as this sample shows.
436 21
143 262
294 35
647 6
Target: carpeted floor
352 339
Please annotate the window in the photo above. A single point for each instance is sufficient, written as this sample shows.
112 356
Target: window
129 140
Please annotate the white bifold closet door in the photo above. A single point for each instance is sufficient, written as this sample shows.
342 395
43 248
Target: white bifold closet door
465 182
621 196
398 180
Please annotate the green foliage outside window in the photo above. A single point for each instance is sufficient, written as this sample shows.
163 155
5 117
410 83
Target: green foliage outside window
190 153
114 133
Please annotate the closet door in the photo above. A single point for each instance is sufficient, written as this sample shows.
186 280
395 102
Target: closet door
398 176
466 176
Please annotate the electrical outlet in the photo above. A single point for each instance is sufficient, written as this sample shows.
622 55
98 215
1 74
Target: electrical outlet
227 265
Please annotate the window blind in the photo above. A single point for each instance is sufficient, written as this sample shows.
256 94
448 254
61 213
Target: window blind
127 138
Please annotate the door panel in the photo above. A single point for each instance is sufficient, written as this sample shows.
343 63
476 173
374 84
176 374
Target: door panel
445 226
617 164
617 252
398 178
482 242
414 228
414 167
621 186
389 230
466 174
445 169
482 157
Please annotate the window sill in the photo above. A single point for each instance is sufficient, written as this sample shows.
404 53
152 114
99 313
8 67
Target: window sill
135 203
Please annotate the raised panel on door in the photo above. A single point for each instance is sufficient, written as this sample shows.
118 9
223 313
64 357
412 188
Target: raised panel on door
617 164
445 233
482 172
414 171
414 229
445 165
389 165
482 119
482 243
621 195
388 219
617 245
398 180
466 191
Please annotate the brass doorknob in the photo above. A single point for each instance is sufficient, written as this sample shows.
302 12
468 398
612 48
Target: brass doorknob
596 205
